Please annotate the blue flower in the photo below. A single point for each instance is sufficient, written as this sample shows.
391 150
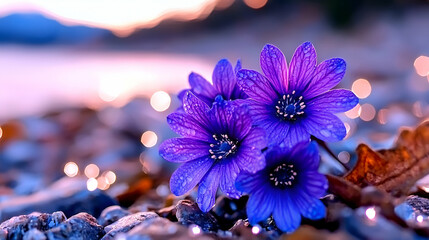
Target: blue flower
292 104
288 187
218 143
224 84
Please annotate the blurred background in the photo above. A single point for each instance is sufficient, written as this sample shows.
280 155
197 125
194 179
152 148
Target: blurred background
85 85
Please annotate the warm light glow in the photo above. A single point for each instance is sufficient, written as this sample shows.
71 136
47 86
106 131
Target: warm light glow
255 4
426 189
196 230
419 218
110 177
122 17
417 109
160 101
224 4
370 213
71 169
382 116
91 171
367 112
1 132
102 183
344 156
256 229
149 139
109 89
354 112
362 88
91 184
422 66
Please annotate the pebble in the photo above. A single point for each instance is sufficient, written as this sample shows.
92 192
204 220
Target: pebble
126 223
81 226
111 215
188 213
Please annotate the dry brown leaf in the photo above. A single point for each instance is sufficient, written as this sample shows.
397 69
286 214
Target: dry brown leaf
394 170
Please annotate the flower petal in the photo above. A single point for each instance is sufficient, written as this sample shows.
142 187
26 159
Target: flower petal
286 215
185 125
229 171
315 211
274 66
201 86
189 175
224 78
250 159
255 139
241 122
183 149
237 66
296 134
249 182
277 131
208 188
306 156
315 184
327 75
302 66
221 115
196 108
256 86
325 126
259 206
334 101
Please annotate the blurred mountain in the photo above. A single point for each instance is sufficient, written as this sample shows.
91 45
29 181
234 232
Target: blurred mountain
37 29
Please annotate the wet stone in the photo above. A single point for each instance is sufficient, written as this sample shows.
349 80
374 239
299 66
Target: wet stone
17 227
34 234
188 213
80 226
229 211
111 215
126 223
161 228
420 205
168 212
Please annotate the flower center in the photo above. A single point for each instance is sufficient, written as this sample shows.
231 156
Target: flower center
223 147
290 106
283 175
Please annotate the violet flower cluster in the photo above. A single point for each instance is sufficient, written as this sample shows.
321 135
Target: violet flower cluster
250 133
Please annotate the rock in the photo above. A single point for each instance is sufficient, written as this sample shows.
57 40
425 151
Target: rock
161 228
420 205
34 234
68 195
17 227
229 211
126 223
168 212
81 226
111 215
188 213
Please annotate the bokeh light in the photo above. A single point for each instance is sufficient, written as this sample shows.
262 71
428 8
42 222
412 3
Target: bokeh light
256 229
255 4
419 218
362 88
196 230
382 116
160 101
367 112
149 139
417 109
354 112
92 171
71 169
371 213
421 64
110 177
102 183
91 184
344 156
1 132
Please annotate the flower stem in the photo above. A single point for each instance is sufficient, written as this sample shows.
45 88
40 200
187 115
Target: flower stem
330 152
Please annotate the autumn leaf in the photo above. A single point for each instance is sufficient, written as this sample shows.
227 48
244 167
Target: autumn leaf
394 170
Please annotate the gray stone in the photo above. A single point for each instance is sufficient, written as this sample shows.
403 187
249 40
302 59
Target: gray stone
126 223
34 234
81 226
161 228
188 213
111 215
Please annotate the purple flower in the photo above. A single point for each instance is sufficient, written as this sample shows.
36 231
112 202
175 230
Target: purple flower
224 84
218 143
288 187
292 104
